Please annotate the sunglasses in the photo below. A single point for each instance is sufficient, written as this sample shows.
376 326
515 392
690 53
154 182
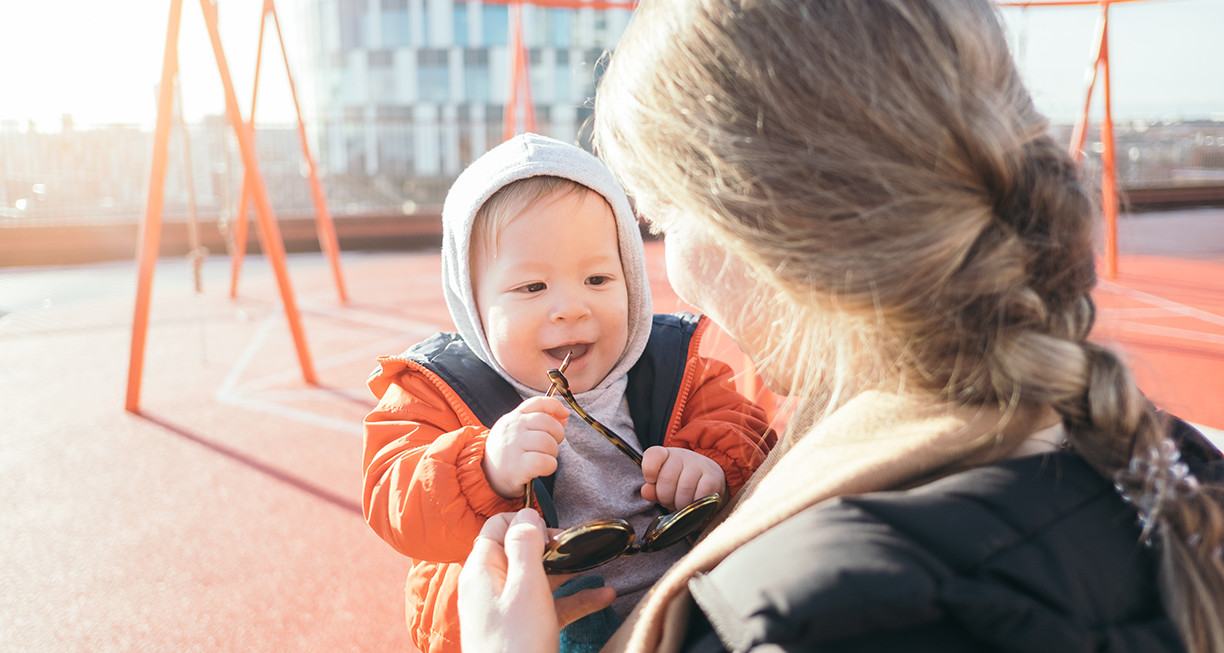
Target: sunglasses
596 543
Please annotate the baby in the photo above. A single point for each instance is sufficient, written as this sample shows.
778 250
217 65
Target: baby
543 259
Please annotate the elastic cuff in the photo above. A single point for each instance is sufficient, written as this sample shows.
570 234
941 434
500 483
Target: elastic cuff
474 485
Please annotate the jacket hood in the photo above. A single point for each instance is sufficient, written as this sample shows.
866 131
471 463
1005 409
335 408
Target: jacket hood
524 156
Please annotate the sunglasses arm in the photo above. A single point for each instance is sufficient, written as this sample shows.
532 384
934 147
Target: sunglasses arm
608 434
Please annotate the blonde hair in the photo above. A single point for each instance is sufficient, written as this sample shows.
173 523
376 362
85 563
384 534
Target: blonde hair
882 168
514 199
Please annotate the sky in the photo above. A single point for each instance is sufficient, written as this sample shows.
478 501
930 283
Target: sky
100 60
1166 58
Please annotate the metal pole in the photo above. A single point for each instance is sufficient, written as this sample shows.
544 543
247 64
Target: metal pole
324 224
263 206
1109 168
151 227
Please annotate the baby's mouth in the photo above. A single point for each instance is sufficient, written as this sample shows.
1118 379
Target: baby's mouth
578 350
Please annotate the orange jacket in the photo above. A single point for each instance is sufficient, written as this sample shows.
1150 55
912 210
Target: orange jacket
426 495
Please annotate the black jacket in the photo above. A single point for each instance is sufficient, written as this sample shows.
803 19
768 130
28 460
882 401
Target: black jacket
1031 554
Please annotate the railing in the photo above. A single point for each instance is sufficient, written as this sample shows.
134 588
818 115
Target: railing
99 175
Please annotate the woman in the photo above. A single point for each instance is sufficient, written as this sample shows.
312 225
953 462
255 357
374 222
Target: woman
863 195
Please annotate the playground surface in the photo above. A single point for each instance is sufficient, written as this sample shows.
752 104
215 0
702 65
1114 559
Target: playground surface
226 514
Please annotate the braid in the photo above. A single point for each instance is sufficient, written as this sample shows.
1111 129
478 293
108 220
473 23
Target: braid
1118 432
1028 279
1108 419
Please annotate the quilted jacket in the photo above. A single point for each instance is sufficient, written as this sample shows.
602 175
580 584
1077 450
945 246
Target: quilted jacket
1030 554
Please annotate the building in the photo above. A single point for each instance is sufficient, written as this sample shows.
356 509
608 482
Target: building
407 92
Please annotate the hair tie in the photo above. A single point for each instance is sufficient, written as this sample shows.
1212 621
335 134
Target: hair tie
1155 481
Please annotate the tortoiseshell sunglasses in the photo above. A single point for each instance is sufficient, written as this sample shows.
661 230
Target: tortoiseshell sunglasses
599 542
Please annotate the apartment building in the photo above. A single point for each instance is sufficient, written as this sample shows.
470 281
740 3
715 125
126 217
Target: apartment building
410 91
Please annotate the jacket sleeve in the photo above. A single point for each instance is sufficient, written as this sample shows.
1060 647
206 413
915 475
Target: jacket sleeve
715 420
423 488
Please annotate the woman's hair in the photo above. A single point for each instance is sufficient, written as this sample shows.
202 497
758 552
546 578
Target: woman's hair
882 168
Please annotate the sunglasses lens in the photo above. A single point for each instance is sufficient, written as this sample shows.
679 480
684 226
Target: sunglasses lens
668 529
587 546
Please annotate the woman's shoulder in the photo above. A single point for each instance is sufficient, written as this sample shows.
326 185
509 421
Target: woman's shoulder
951 563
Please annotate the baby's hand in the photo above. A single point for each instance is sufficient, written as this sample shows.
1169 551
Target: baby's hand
523 445
675 476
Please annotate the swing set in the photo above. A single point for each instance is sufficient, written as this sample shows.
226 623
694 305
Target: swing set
253 191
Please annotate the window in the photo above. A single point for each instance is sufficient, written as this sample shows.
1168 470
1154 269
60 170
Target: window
560 28
352 24
495 21
460 23
380 58
476 75
433 76
392 113
493 123
395 149
396 27
601 28
563 90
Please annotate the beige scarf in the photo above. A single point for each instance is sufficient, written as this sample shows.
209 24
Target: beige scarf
877 441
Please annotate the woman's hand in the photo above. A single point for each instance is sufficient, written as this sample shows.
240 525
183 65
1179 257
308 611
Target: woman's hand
505 598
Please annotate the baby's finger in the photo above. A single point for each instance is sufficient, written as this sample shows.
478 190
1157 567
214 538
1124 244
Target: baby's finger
537 464
668 481
710 483
550 406
687 485
539 441
653 460
649 492
542 423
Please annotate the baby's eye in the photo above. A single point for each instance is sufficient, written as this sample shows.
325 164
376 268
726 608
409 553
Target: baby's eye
598 280
538 286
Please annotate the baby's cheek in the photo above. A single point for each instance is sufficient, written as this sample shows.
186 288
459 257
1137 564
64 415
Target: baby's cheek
499 335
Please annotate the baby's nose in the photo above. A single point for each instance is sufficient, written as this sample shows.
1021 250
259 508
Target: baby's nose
570 306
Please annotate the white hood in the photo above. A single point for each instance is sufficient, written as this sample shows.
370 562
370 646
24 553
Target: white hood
532 155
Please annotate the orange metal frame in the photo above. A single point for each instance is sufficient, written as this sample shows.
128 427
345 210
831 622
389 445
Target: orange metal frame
1109 161
323 220
519 79
151 227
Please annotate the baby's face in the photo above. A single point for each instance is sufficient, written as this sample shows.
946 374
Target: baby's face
554 285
